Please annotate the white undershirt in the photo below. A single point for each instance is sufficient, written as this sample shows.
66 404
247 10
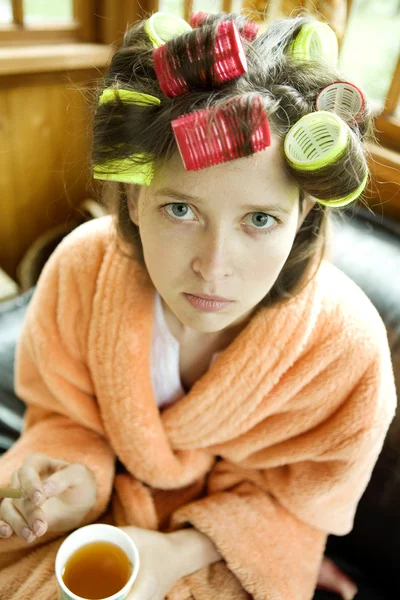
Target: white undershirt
165 350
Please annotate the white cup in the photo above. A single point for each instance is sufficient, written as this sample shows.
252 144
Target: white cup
97 532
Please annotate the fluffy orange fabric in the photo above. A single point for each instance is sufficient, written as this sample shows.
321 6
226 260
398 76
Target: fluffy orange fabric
267 454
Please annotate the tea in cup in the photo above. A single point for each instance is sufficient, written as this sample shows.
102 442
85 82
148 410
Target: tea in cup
96 562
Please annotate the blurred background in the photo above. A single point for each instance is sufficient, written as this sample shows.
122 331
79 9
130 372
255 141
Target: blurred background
53 52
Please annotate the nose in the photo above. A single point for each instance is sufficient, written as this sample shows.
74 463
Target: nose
213 260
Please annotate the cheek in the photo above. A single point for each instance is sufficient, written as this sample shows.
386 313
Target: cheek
265 259
163 249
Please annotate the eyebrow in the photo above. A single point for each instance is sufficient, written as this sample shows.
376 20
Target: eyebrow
251 207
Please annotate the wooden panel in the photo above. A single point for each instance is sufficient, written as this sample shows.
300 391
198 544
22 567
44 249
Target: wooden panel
40 59
388 131
114 18
84 15
51 33
45 152
18 12
188 10
384 190
9 238
393 95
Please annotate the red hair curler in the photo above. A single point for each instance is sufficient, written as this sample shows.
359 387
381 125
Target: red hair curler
230 60
207 137
197 19
248 31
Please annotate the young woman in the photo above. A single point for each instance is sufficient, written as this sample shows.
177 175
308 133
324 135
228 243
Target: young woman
195 370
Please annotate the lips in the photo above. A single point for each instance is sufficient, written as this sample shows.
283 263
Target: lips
212 298
207 304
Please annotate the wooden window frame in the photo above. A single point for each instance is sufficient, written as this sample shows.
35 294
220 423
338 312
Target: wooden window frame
387 123
81 29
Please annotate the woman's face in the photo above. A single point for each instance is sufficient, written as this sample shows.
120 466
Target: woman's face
222 231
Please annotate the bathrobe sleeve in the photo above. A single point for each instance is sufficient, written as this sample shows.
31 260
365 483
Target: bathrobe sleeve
270 513
62 419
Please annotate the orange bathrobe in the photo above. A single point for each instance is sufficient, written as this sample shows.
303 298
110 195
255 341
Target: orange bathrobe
267 454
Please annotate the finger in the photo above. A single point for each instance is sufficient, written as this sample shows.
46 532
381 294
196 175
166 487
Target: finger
16 521
41 461
44 464
30 482
70 476
5 529
34 516
29 475
333 579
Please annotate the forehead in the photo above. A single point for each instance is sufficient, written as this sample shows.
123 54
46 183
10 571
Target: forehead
260 173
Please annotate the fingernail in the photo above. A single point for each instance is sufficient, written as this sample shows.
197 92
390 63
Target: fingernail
36 498
49 487
38 526
27 534
350 592
4 530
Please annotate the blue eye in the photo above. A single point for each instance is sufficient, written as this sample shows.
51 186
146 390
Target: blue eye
260 220
178 211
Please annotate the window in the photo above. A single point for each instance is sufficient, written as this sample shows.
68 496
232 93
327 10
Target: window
172 6
370 55
44 21
371 46
36 11
185 9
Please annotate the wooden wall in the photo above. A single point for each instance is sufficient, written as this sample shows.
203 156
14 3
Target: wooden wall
44 150
45 126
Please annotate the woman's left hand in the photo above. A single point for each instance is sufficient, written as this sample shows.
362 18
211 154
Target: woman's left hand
160 559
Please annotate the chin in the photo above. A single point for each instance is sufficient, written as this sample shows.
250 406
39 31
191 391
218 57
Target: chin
206 322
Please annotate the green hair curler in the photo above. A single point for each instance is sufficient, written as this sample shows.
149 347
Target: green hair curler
338 202
128 96
163 26
126 170
139 168
316 141
315 41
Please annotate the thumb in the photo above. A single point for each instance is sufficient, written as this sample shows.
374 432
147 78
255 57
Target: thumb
144 588
68 477
333 579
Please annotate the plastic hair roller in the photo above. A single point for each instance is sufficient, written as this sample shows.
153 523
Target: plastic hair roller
162 27
128 96
230 60
248 31
126 170
315 41
343 201
316 141
139 168
197 19
343 98
208 137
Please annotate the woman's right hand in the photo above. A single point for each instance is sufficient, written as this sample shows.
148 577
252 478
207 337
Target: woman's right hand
59 495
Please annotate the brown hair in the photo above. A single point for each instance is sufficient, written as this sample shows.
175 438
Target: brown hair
288 89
